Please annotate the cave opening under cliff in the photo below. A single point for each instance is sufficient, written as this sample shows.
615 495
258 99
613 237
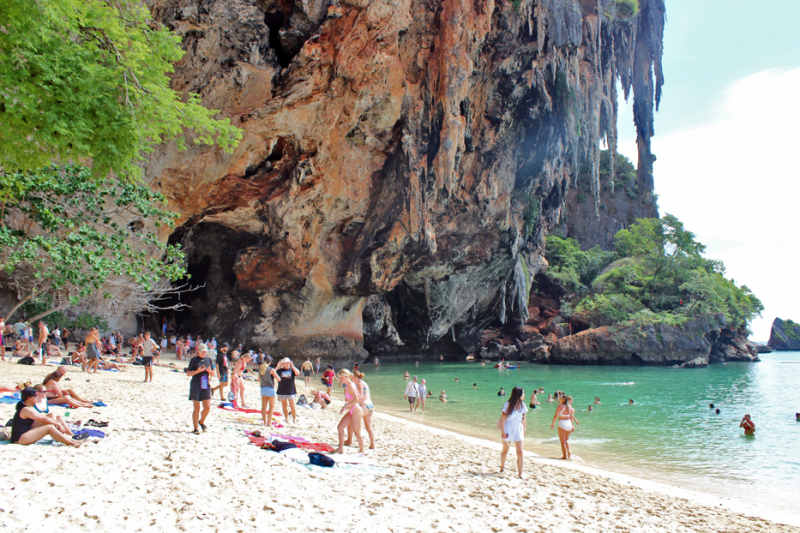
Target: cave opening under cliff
214 306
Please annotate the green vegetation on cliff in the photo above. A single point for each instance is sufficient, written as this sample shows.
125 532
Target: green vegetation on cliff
656 274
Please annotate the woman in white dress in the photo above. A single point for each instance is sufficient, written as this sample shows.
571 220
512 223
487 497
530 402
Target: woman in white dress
512 426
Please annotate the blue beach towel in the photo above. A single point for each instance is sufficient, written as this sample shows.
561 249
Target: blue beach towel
9 399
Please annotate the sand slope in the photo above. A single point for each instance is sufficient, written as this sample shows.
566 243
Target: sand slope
152 474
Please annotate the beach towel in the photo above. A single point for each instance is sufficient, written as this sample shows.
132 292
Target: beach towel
9 399
92 433
289 438
316 446
321 460
100 404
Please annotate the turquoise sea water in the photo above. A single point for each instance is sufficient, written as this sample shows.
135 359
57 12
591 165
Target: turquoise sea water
669 434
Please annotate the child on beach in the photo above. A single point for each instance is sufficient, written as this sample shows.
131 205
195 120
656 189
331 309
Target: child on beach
512 426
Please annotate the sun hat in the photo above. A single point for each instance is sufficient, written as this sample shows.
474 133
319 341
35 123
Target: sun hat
202 348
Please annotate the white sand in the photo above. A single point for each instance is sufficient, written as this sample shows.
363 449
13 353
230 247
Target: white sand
151 473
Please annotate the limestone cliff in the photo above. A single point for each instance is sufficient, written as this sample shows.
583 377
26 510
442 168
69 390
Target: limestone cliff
406 157
784 336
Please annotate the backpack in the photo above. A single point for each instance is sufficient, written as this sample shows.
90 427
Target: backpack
278 445
26 361
320 460
323 381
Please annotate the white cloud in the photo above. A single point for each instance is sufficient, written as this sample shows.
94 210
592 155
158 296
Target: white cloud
735 182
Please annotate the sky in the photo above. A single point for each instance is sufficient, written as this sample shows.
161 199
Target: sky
727 139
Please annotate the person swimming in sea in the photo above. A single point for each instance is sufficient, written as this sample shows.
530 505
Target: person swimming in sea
597 400
534 401
406 376
474 385
748 425
456 380
589 410
443 397
630 402
501 392
550 398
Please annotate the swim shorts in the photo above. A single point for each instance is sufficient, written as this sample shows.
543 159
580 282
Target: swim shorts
147 361
412 399
286 396
306 373
198 395
223 377
267 392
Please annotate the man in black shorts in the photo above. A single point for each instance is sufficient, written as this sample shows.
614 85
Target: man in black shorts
307 368
200 369
222 370
150 350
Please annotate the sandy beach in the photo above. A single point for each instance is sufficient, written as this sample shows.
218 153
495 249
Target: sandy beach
152 474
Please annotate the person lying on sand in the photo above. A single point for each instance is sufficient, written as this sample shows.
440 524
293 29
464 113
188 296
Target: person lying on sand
110 365
22 430
58 396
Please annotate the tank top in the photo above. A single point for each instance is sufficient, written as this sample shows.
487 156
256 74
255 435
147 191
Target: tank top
266 379
286 384
20 426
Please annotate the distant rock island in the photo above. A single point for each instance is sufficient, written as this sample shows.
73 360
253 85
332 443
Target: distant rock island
785 336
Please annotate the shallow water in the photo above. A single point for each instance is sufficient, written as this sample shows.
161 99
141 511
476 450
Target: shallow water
669 434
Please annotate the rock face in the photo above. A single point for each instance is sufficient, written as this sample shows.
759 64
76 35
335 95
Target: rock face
407 157
785 335
692 344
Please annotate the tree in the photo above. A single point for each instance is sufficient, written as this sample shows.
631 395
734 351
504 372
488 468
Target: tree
87 79
66 237
85 82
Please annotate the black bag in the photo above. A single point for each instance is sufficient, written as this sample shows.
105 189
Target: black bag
26 361
278 445
320 460
323 381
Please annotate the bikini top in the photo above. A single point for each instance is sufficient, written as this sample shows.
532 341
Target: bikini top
566 413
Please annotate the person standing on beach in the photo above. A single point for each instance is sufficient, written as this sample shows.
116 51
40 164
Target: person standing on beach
222 370
352 409
318 366
412 389
92 349
565 415
150 348
200 369
366 407
512 426
237 383
268 379
41 341
286 389
328 378
422 394
307 368
748 425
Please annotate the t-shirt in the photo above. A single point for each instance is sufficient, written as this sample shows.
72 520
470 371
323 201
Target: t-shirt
149 347
412 389
200 380
328 377
286 384
516 415
164 343
222 361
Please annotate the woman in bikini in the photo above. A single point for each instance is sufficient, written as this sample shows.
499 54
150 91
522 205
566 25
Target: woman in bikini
22 430
565 415
367 408
43 408
237 385
354 413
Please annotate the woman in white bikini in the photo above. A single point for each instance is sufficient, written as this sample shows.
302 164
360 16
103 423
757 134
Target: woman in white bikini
366 407
565 415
